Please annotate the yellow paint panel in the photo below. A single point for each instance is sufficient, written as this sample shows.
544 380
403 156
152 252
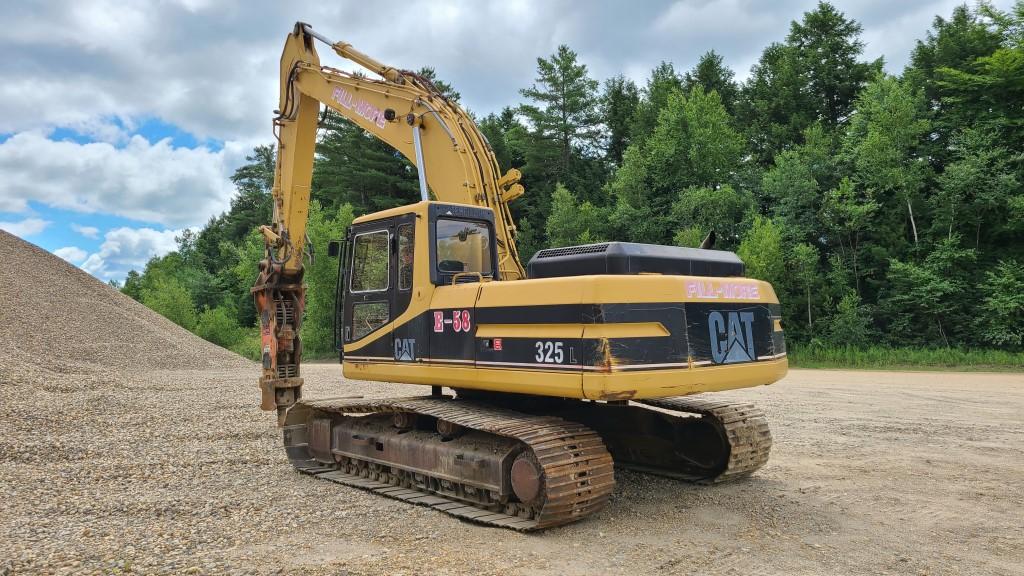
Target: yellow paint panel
626 330
455 296
619 330
613 289
419 208
640 384
544 383
531 292
529 330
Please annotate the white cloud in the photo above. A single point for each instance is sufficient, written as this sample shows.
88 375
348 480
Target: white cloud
87 231
125 249
72 254
150 182
26 227
211 68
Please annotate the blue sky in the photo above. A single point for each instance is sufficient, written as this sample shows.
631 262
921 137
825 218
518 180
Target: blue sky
121 122
83 232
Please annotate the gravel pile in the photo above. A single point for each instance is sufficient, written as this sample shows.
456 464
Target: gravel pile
58 318
127 446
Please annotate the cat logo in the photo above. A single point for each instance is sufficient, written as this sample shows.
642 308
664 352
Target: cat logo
732 337
405 349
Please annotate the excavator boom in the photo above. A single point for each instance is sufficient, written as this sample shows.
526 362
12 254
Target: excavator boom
401 108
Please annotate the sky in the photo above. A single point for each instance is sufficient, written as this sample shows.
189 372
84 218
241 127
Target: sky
121 122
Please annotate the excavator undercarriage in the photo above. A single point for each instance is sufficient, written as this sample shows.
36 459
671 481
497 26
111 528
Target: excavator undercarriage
516 462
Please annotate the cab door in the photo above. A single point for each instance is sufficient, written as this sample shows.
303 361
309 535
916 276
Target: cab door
462 257
409 336
370 294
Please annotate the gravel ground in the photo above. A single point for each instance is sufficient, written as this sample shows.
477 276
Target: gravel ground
114 461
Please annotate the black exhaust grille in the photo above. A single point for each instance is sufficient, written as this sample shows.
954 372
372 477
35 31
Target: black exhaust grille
572 250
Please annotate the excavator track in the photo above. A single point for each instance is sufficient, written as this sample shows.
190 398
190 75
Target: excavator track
566 469
744 426
692 438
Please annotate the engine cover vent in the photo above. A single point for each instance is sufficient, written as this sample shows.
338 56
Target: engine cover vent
571 250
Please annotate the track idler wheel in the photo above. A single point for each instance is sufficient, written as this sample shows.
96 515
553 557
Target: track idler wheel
527 478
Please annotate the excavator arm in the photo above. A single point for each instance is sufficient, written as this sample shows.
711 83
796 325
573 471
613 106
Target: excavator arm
454 162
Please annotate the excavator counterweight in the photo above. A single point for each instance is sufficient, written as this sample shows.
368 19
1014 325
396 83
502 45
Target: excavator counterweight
590 361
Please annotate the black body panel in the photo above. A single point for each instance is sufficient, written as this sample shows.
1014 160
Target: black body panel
699 334
632 258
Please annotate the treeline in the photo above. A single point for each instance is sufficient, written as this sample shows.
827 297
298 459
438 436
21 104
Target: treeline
884 209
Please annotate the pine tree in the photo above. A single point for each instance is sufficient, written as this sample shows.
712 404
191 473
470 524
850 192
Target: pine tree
663 82
563 112
618 106
827 46
711 73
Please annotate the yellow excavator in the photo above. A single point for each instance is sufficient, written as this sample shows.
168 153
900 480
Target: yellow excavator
584 361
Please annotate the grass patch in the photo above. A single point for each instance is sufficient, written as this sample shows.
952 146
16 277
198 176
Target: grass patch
885 358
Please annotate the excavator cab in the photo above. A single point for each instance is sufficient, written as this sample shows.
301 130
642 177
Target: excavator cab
378 271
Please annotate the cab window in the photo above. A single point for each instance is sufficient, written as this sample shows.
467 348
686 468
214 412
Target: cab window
463 246
370 262
368 316
405 256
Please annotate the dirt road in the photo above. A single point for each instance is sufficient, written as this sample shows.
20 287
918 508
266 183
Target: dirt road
160 471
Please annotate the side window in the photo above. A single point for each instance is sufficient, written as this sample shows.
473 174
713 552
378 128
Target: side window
367 317
463 246
370 262
405 256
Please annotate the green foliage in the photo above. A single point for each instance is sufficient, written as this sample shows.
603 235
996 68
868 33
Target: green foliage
850 324
713 75
761 251
813 77
882 144
220 326
571 222
903 358
356 168
792 188
803 264
321 278
168 296
618 106
976 188
722 209
690 237
663 82
693 148
248 345
827 48
563 112
922 300
1000 320
133 286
